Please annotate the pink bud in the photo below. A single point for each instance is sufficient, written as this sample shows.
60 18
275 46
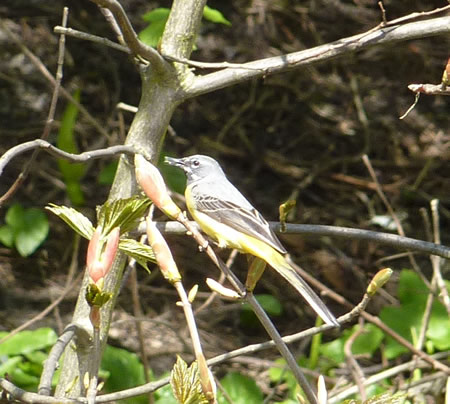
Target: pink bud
162 253
93 246
100 256
151 181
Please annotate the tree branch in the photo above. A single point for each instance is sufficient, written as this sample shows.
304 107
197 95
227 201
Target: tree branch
393 240
137 47
341 47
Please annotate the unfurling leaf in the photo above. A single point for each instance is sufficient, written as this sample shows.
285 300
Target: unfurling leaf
123 213
142 253
185 382
76 220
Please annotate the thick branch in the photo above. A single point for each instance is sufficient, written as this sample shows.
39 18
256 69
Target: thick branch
345 46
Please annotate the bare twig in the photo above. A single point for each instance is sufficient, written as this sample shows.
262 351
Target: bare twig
34 398
392 240
45 385
435 260
92 38
138 313
337 397
393 32
355 369
51 113
76 158
429 89
394 216
49 77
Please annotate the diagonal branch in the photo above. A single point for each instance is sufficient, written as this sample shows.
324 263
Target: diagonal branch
259 68
137 47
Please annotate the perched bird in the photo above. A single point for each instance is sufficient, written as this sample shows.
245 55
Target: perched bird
224 214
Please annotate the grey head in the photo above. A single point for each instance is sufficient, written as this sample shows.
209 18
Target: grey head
197 167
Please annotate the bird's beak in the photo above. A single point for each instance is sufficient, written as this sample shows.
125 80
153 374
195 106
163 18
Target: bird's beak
174 162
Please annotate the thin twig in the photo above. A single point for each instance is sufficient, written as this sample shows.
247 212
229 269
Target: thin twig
355 369
337 397
75 158
50 364
392 240
435 260
394 216
49 77
89 37
50 117
34 398
256 307
429 89
138 313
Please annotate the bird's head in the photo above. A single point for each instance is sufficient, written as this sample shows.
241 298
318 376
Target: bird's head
196 167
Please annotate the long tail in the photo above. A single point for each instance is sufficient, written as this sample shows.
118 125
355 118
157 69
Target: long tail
280 264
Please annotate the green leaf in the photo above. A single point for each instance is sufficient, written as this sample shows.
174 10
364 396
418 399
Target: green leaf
125 371
123 213
270 304
29 238
185 382
164 395
76 220
215 16
334 350
407 318
158 14
27 341
152 34
7 236
15 217
241 389
367 342
72 172
142 253
9 365
107 174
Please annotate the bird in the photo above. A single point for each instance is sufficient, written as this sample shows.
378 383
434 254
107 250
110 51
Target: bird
224 214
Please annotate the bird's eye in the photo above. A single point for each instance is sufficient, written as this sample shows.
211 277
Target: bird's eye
196 163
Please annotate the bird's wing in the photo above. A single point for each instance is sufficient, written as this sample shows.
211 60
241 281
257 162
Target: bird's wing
245 219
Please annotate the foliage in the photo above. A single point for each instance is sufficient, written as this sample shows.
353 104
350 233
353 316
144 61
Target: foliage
406 319
185 382
25 229
241 389
72 172
123 213
122 370
22 356
157 18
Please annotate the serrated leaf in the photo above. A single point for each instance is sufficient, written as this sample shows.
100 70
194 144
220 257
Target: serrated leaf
142 253
123 213
76 220
185 382
213 15
35 231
